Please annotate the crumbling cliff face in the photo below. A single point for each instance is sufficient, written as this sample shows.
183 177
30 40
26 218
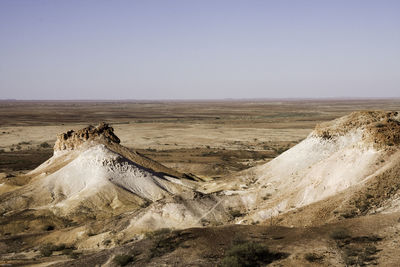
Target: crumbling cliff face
72 140
379 129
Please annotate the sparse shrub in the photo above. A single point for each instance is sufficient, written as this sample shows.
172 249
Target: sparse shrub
44 145
359 255
374 238
370 250
340 233
59 247
267 196
48 227
91 234
162 246
123 259
235 213
359 251
145 204
106 242
204 221
68 251
239 239
24 143
313 257
162 231
216 223
166 243
231 261
158 232
177 198
46 250
353 213
352 251
249 254
75 255
280 150
350 260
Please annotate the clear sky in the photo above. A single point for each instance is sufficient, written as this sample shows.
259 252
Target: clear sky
199 49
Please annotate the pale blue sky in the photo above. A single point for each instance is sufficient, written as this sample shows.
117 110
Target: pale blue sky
199 49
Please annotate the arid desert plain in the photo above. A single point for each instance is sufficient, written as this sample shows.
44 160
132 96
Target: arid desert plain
200 183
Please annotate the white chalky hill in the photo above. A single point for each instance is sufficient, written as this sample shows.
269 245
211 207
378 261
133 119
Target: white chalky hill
347 153
91 173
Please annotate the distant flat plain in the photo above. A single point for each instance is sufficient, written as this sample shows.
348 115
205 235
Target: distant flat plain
207 138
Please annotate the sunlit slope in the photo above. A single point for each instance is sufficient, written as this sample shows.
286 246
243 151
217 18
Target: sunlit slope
337 155
90 170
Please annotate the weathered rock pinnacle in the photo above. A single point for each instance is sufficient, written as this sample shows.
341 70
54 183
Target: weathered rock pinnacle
72 140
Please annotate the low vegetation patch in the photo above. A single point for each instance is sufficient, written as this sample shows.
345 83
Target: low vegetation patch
340 233
106 242
48 249
163 245
165 242
359 251
248 254
75 255
313 257
123 259
44 145
48 227
29 159
360 255
235 213
158 232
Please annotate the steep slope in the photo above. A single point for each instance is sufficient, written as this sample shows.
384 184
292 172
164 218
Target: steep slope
70 144
335 157
92 176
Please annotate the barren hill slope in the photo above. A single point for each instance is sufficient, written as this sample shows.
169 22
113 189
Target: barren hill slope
344 155
91 176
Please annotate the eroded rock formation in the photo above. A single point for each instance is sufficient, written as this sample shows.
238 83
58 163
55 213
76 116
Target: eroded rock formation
379 128
72 140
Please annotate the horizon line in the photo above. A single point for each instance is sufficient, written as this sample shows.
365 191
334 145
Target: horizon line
202 99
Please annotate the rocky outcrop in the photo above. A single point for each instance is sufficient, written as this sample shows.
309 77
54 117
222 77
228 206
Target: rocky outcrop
72 140
104 134
379 128
384 133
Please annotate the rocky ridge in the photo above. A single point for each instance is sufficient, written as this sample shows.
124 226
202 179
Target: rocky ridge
379 128
73 139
